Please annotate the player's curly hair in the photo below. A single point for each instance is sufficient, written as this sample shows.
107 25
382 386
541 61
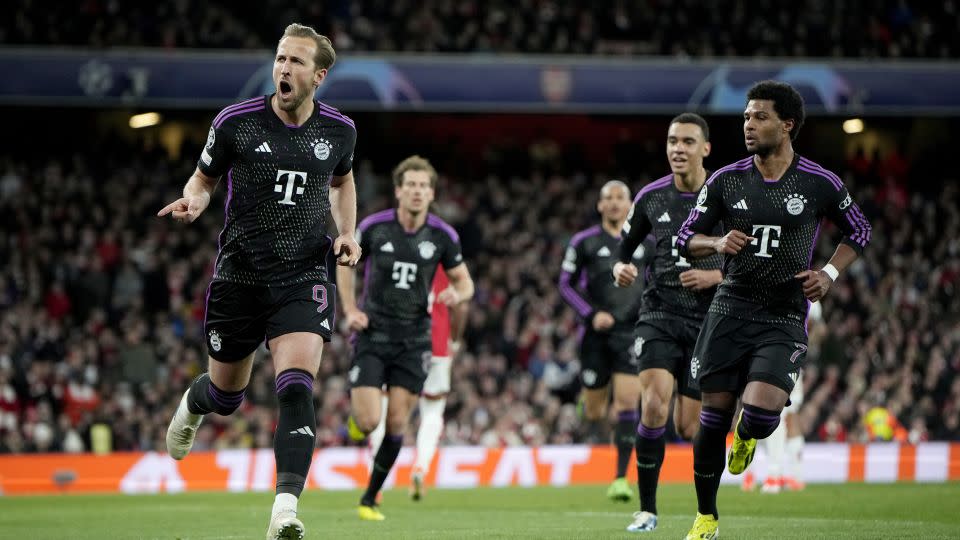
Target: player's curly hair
414 163
325 56
786 101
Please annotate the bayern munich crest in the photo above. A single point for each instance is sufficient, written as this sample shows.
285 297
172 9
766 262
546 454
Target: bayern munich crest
215 342
427 249
321 149
795 204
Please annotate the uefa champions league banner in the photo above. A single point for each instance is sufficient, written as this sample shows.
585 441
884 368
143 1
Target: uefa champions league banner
211 80
453 467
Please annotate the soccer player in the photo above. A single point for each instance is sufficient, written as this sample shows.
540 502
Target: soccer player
608 314
674 304
753 342
404 247
288 161
446 332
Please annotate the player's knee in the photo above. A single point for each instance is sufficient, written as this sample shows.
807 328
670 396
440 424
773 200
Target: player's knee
687 430
654 409
594 412
397 424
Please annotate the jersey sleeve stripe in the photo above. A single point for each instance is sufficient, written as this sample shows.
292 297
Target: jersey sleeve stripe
435 221
584 234
254 108
235 106
338 117
373 219
577 302
859 222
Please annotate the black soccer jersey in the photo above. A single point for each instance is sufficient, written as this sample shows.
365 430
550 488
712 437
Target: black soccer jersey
399 269
661 208
278 184
784 217
587 266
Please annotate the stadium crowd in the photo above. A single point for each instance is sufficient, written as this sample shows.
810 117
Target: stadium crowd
102 305
812 28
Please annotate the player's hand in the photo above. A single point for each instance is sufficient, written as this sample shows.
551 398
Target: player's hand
602 321
815 284
449 297
732 242
624 274
357 320
698 280
347 250
186 209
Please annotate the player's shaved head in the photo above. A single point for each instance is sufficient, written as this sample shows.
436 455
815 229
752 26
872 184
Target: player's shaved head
614 184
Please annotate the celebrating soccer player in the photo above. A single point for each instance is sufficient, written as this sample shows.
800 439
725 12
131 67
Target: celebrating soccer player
675 302
404 247
753 342
288 161
609 314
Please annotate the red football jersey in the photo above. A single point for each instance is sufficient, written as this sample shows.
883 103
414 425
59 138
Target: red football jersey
439 316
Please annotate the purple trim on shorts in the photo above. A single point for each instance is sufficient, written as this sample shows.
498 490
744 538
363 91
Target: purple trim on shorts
254 108
206 306
290 377
435 221
377 217
656 184
650 433
395 438
628 416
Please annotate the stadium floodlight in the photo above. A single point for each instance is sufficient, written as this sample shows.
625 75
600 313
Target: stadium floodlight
143 120
853 125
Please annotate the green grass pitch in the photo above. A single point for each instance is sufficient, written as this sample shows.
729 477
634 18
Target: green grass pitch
848 511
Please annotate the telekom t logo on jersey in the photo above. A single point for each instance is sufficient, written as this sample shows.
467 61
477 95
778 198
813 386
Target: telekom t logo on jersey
287 184
403 274
767 239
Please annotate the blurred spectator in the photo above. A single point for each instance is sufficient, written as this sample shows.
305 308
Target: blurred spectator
812 28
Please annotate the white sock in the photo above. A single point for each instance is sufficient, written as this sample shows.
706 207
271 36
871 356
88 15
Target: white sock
376 436
775 445
795 457
284 501
428 436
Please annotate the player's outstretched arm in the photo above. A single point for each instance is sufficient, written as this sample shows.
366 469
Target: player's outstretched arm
343 207
356 320
461 286
196 198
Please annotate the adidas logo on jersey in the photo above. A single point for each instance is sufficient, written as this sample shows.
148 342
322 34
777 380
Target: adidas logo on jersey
263 148
665 218
741 205
604 252
387 248
325 324
305 430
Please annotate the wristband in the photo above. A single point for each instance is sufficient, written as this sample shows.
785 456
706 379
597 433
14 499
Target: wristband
830 271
